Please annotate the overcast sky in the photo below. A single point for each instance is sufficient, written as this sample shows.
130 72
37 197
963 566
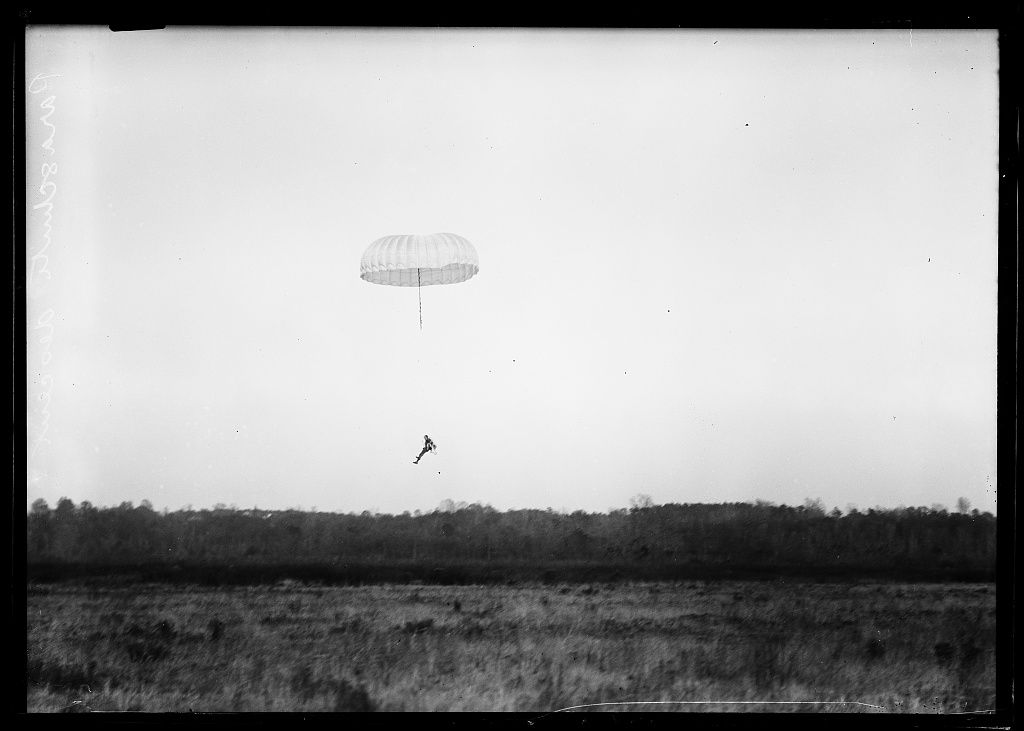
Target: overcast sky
714 266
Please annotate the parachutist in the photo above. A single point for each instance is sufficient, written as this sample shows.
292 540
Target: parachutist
428 446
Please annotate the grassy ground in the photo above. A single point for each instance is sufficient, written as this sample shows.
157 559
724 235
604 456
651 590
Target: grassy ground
155 647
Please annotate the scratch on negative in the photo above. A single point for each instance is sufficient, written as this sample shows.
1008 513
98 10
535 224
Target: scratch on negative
631 703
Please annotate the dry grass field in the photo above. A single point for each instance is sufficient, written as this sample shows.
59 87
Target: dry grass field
922 648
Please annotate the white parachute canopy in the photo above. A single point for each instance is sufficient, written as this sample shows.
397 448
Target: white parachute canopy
419 260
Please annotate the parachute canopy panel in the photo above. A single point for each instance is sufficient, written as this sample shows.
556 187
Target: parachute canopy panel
419 260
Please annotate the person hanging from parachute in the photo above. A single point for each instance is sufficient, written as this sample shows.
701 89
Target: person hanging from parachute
428 446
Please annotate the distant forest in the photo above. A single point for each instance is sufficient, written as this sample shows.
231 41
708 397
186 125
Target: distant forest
645 541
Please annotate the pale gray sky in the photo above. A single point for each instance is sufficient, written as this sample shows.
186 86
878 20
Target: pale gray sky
714 266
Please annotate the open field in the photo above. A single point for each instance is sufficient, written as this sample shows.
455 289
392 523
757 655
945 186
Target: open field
531 647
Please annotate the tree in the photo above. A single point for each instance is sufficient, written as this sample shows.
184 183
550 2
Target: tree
640 501
963 505
40 529
815 506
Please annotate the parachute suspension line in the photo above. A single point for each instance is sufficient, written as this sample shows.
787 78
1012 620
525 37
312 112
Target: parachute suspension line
419 294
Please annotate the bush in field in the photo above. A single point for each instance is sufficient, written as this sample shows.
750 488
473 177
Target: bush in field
418 626
343 695
348 697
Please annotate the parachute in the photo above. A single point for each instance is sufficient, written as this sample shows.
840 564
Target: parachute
419 260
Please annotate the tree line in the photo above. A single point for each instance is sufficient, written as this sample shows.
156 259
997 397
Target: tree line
727 534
